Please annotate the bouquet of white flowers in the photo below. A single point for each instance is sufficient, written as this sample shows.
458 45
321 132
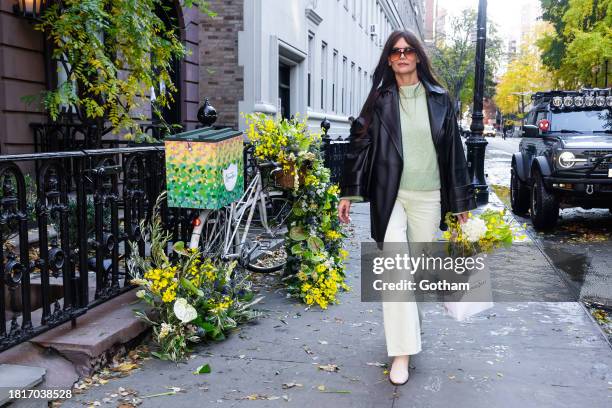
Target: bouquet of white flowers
479 234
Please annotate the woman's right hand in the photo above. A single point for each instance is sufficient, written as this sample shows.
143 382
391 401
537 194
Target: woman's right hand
344 207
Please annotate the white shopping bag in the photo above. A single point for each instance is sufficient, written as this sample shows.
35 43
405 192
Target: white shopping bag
462 310
466 303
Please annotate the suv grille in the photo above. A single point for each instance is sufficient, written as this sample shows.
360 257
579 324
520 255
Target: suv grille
595 154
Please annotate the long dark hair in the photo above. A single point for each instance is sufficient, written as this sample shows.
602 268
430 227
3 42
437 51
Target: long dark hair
385 76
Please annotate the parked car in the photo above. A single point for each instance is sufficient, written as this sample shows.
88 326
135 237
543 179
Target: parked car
565 155
489 130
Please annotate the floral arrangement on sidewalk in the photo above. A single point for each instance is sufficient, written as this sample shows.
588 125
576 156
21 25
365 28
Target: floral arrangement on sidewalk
480 233
315 265
315 258
285 141
192 298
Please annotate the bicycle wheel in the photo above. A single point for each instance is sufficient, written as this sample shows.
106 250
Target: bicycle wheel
267 261
278 208
213 233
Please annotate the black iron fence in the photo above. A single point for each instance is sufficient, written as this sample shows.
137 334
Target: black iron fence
334 152
70 136
64 239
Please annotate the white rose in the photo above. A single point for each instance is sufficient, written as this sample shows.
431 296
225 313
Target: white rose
474 229
184 311
140 294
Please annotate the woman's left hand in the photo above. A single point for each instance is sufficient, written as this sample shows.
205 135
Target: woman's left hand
462 217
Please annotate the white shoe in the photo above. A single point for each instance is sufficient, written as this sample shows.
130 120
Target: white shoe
398 375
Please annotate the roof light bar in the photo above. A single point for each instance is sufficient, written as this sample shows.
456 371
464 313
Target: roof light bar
586 98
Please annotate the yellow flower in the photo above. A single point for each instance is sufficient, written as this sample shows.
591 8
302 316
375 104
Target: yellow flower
169 296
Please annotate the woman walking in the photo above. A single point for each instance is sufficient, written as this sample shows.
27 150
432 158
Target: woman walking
406 159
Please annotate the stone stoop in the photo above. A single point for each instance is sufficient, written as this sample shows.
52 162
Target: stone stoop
18 377
99 332
67 354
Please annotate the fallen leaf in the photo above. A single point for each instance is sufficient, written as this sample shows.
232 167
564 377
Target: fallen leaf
290 385
125 367
329 367
203 369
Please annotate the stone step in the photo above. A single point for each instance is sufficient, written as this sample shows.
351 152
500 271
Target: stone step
67 354
98 333
18 377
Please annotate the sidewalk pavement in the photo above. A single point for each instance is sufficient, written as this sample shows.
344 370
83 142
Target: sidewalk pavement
530 354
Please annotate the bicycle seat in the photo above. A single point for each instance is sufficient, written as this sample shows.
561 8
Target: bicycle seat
268 163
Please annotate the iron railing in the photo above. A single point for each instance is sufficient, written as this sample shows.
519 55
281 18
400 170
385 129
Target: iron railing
334 152
64 239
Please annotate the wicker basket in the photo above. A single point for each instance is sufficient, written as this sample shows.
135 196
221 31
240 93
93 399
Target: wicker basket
286 179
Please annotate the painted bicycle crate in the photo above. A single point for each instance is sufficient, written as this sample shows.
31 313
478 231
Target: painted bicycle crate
204 168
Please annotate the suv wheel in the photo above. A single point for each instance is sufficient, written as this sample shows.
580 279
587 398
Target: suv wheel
544 205
519 194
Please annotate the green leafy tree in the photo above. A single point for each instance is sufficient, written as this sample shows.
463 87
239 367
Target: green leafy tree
582 42
453 57
112 52
525 74
552 44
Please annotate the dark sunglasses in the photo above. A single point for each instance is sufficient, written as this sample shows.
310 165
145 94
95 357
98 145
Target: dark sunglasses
396 53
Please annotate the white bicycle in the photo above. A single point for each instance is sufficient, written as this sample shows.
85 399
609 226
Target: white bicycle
261 211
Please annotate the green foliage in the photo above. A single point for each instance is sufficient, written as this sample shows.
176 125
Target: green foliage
581 43
113 52
525 74
73 235
192 297
454 54
552 45
314 240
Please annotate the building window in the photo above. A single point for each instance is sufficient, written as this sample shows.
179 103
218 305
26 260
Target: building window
359 89
351 102
361 13
344 79
311 57
284 90
323 72
365 85
334 79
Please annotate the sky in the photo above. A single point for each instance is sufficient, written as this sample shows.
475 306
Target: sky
506 13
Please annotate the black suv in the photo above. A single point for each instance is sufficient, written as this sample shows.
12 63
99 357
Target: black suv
565 157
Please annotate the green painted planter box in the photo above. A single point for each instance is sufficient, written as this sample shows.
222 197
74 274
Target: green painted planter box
204 168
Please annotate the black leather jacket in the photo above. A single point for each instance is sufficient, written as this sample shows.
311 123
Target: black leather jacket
374 162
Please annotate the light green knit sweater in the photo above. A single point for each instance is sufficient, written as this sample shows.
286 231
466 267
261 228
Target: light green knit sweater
420 170
420 161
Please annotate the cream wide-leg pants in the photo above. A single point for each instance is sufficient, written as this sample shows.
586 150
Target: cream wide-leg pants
415 218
